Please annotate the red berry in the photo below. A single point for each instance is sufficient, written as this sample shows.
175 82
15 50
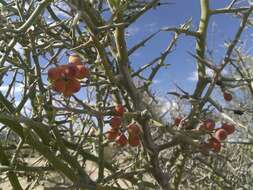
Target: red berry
207 125
178 120
134 140
227 96
204 147
112 134
121 140
67 92
119 109
228 127
54 73
133 129
115 122
221 134
184 124
75 59
73 85
82 72
214 144
59 85
70 71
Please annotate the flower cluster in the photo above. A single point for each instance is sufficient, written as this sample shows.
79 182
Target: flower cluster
65 78
116 132
220 134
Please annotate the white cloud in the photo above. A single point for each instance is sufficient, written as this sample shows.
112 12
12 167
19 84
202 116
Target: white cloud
132 30
19 48
194 75
151 27
225 72
26 6
4 88
250 2
156 81
167 104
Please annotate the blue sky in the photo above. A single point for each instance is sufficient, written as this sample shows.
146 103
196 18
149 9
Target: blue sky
222 28
182 66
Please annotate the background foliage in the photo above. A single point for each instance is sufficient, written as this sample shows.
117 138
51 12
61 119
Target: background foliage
52 141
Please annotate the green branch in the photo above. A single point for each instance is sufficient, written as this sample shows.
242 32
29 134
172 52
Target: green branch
42 5
10 174
226 10
200 47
